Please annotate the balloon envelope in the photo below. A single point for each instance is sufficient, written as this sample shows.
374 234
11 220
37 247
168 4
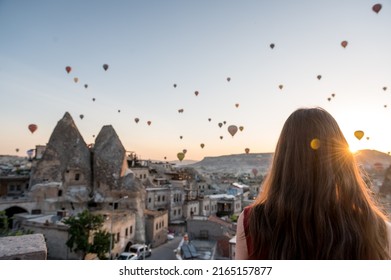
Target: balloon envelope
232 129
180 156
272 46
81 116
241 128
75 79
32 127
196 93
376 8
68 69
280 86
247 150
228 79
105 67
136 120
359 134
202 145
149 122
344 44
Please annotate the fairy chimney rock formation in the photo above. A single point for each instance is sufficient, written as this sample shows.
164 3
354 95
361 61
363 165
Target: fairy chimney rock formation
109 160
65 164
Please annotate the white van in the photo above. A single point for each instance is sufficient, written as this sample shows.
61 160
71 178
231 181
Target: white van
141 250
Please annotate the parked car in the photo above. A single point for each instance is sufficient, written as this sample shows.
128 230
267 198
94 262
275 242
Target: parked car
127 256
170 236
141 250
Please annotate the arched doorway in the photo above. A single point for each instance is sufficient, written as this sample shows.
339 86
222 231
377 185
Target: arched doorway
10 212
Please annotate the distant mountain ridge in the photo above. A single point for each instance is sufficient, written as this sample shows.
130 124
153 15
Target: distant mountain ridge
245 163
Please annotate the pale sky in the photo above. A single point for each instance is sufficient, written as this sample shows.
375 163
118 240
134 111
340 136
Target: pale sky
152 45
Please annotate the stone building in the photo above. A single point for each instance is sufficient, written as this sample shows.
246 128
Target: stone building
25 247
156 223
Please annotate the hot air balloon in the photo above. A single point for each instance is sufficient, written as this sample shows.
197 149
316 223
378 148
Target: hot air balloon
93 136
224 122
184 151
174 85
17 150
228 79
272 46
68 69
32 128
180 137
344 44
86 86
180 111
81 116
329 98
359 134
384 88
280 86
136 120
209 119
385 106
237 105
367 137
319 77
376 8
220 124
333 94
75 79
149 122
119 111
180 156
202 145
105 67
241 128
196 93
232 129
221 137
247 150
93 99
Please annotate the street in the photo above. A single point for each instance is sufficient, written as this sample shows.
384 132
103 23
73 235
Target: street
166 251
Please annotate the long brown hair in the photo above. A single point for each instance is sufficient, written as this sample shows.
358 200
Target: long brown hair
314 202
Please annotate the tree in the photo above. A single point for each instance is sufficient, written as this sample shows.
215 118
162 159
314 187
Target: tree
82 228
6 231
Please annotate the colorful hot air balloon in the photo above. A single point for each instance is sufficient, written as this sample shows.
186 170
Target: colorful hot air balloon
196 93
75 79
376 8
319 77
237 105
149 122
241 128
232 129
272 46
105 67
221 137
184 151
329 98
68 69
220 124
202 145
180 156
224 122
333 94
32 128
344 44
359 134
247 150
136 120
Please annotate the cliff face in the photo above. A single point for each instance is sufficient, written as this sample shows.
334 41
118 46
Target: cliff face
66 159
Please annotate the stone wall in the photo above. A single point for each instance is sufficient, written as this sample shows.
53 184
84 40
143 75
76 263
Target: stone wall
24 247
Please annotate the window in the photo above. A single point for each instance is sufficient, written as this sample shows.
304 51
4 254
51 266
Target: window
156 226
175 212
179 211
117 237
149 200
77 176
126 232
164 198
59 193
158 198
131 229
